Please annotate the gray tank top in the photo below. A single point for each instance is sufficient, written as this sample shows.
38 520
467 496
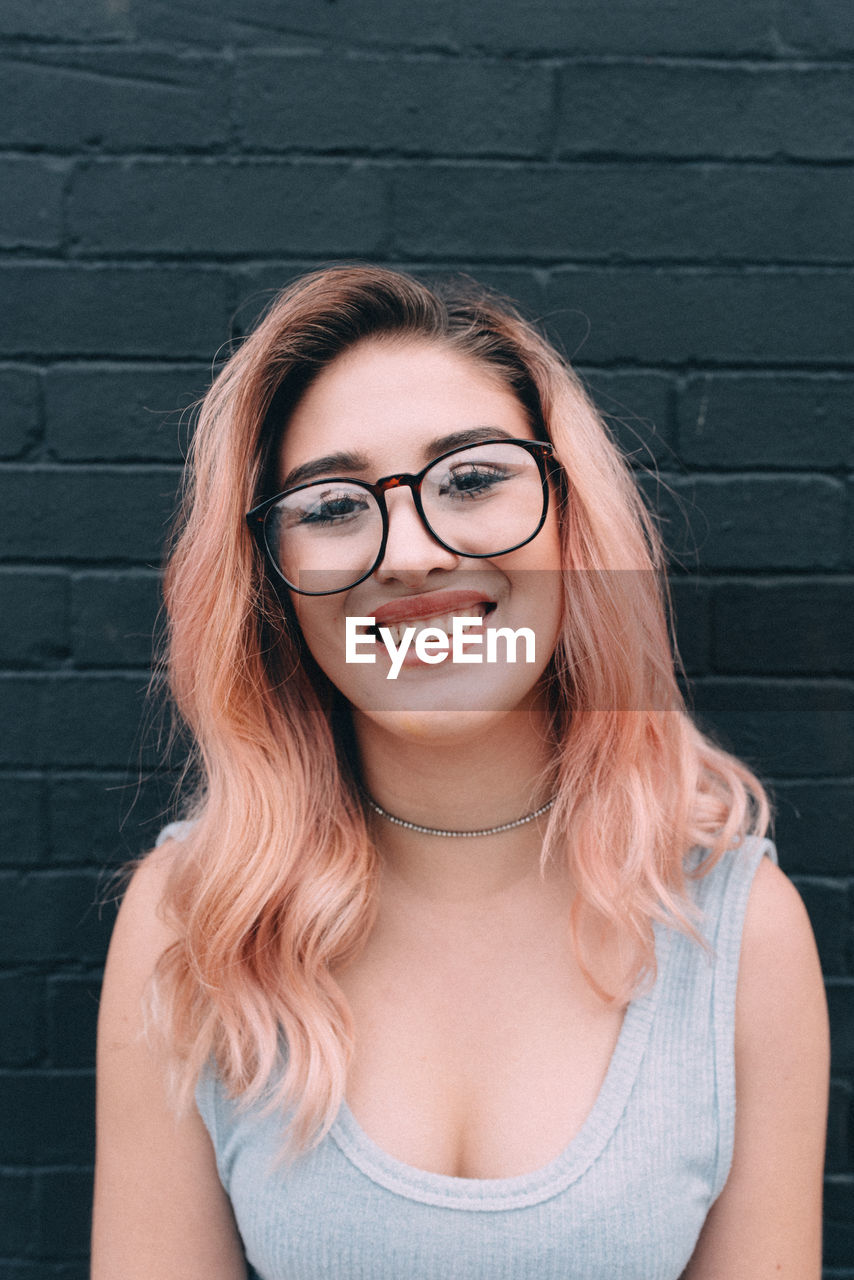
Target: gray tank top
627 1197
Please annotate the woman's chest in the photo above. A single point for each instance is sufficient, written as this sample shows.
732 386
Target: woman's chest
476 1072
626 1195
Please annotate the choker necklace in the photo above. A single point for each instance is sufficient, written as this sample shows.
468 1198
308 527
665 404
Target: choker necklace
438 831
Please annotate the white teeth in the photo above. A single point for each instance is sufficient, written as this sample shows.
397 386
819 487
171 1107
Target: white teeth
442 621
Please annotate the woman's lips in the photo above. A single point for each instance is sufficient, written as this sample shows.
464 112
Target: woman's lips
430 604
433 610
441 621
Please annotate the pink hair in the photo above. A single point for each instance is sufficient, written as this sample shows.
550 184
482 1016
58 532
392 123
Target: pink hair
275 882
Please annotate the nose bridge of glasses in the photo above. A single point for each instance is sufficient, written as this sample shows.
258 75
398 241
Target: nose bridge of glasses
400 480
403 524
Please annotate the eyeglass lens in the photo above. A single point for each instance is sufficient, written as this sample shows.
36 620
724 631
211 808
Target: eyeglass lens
479 501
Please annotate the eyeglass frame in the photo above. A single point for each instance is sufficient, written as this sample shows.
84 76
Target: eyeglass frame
541 450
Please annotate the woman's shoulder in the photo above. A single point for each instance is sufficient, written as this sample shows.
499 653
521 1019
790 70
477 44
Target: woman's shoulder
780 978
782 1035
142 931
755 900
144 900
159 1206
775 909
770 1205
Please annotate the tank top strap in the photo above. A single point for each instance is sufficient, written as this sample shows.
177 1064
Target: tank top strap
174 831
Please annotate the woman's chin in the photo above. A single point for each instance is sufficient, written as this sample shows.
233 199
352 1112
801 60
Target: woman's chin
428 725
454 708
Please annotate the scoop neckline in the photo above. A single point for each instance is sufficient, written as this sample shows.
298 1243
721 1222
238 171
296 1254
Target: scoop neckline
526 1189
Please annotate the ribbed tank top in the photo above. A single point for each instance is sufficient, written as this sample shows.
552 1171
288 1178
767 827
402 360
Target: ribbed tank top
626 1198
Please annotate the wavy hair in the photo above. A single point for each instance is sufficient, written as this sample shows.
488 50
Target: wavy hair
274 884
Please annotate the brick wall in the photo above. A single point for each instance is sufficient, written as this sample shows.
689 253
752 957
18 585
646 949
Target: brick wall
668 186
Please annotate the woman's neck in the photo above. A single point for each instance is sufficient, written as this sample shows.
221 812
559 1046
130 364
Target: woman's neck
497 773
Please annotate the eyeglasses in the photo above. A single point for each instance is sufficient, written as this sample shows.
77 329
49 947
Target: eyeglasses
484 500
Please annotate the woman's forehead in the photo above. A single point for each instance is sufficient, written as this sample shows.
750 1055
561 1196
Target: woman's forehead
402 396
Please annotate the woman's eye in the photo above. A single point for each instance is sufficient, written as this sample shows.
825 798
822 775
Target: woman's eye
472 480
334 510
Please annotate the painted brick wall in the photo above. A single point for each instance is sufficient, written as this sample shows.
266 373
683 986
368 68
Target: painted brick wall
668 186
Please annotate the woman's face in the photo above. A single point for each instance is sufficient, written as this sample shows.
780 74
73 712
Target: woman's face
394 407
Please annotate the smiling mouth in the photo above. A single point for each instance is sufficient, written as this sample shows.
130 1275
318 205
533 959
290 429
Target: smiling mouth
438 621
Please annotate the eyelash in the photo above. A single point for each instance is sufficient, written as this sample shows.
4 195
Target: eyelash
322 514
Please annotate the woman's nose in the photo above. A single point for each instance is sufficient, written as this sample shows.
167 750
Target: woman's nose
411 551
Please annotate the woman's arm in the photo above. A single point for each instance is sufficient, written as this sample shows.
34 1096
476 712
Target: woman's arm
160 1209
767 1221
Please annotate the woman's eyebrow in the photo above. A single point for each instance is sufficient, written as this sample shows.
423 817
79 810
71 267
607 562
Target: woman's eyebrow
349 463
459 439
330 464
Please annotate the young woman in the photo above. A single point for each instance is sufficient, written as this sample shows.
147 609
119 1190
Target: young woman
453 968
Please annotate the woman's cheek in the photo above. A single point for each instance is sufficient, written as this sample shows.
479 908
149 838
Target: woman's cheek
324 635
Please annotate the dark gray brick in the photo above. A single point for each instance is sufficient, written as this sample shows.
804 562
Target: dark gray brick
77 310
838 1225
105 819
20 396
753 522
72 1019
637 408
17 1212
648 27
815 827
48 1118
827 904
763 111
840 999
114 99
31 209
784 729
71 20
774 419
195 23
23 819
113 617
34 620
456 106
21 1019
216 22
195 207
627 26
670 316
140 412
53 916
774 213
823 28
839 1123
801 626
92 513
614 212
41 1270
63 1213
83 720
690 598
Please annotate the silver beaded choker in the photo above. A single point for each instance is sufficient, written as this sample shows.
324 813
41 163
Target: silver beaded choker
459 835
